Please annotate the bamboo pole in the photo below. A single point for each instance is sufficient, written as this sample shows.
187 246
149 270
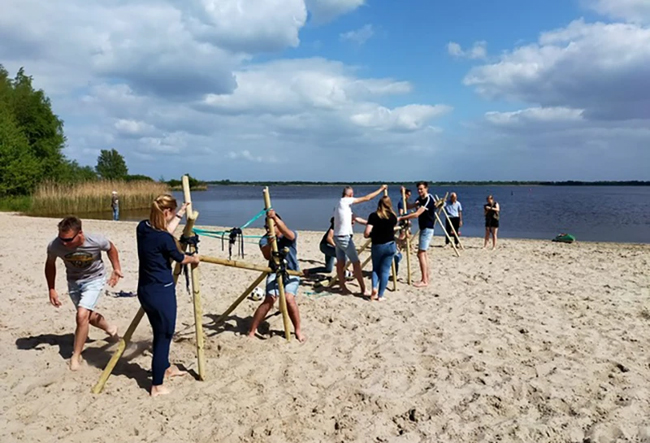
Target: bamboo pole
393 270
444 228
121 347
242 265
453 229
241 298
408 241
274 247
453 244
196 301
363 247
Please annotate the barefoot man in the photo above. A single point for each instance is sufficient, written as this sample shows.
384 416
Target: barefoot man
343 232
425 214
82 255
287 241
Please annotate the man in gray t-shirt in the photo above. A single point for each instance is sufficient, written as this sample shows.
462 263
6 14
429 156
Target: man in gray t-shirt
82 255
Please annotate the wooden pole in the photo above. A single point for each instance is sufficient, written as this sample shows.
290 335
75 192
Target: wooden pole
453 229
444 228
393 270
453 244
363 247
274 247
121 347
241 298
242 265
196 301
407 230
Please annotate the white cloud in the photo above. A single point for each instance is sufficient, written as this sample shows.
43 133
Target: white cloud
133 128
601 68
323 11
359 36
535 116
405 118
634 11
476 52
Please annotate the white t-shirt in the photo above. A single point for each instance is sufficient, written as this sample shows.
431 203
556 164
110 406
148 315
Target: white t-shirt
343 217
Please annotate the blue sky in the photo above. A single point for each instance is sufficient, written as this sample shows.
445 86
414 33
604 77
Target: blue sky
346 89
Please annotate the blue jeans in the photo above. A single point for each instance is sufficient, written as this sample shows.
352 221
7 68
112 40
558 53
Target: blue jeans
116 214
398 258
330 258
382 257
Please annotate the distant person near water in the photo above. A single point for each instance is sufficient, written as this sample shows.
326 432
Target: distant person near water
454 211
381 229
492 214
82 255
156 289
343 232
287 241
115 205
425 213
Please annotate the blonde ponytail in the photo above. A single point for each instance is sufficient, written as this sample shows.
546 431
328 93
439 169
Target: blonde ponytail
156 216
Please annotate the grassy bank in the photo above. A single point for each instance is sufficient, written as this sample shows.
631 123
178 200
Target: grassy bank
56 199
22 203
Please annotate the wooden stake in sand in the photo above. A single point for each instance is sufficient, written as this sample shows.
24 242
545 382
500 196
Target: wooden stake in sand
407 230
276 258
198 312
453 229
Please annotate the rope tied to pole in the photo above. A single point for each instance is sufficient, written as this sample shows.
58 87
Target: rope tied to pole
192 240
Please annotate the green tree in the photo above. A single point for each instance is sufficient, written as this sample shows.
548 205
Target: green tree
111 165
18 166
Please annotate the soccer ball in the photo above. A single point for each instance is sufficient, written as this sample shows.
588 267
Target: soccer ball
258 294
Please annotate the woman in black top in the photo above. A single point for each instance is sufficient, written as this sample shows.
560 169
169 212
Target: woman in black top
381 229
492 212
156 289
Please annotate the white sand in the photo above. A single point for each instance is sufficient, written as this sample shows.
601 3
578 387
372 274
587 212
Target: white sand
534 342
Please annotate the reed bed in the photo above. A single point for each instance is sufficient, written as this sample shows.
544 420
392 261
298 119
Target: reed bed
89 197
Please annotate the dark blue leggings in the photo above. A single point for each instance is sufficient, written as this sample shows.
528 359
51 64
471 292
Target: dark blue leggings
159 303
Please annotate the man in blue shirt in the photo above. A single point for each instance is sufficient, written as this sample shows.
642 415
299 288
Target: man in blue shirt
425 213
400 203
287 241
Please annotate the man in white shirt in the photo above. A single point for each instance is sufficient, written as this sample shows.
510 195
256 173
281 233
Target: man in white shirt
343 232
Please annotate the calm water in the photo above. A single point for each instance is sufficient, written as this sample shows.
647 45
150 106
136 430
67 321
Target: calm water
610 213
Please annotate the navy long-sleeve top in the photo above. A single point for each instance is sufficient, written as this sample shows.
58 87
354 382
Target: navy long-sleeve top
156 249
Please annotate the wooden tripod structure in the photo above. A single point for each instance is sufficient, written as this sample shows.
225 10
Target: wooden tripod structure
196 293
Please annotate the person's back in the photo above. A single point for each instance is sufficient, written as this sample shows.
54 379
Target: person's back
383 230
155 250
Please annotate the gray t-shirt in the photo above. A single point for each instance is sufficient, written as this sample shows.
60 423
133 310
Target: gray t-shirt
84 263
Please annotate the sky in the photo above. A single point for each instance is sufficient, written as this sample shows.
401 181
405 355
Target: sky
345 90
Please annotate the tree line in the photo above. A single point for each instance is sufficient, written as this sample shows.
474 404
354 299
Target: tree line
32 142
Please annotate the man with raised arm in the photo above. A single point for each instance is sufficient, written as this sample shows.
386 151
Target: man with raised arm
425 213
343 232
82 255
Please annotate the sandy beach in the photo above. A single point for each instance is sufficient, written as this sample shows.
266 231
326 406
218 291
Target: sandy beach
533 342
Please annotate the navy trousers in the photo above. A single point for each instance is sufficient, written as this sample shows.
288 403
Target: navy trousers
159 303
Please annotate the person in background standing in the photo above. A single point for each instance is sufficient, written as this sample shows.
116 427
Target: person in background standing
454 211
400 203
115 204
492 214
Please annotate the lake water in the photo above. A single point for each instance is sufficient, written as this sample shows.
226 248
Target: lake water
591 213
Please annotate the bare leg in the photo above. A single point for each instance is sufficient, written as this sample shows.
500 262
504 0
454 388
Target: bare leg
260 314
98 321
359 276
80 337
494 237
424 269
340 273
487 237
294 315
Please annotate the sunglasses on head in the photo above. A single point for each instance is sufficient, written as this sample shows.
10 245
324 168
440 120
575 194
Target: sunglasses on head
68 240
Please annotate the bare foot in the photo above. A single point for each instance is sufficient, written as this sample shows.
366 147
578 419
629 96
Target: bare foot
76 362
301 338
420 284
174 371
251 334
374 297
112 334
382 298
345 290
159 390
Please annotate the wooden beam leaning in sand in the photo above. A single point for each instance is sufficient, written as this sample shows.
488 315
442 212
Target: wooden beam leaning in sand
392 262
241 298
453 244
407 231
126 338
453 229
276 258
243 265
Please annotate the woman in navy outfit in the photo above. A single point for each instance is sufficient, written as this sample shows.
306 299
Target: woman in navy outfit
156 289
